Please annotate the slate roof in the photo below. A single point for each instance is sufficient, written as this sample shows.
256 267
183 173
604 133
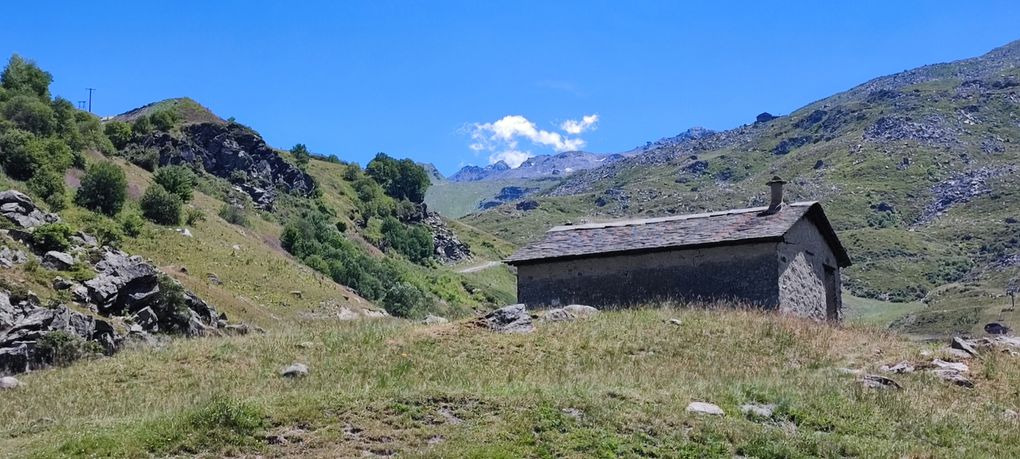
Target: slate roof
736 226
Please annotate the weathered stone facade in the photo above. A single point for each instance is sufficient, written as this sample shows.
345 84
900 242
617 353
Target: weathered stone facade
784 258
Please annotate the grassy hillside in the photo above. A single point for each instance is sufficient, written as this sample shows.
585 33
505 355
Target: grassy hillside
917 172
457 199
616 385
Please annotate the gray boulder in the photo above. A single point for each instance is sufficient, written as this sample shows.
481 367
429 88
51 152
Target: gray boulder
8 382
954 377
509 319
570 312
59 261
147 319
432 319
117 272
10 258
996 328
19 209
757 410
705 408
879 382
963 345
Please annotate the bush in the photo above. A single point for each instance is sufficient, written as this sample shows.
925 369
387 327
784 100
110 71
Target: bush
62 348
132 224
145 158
22 154
55 236
24 77
31 114
119 133
179 180
164 120
414 242
234 215
405 300
103 189
193 215
142 126
105 230
161 206
50 186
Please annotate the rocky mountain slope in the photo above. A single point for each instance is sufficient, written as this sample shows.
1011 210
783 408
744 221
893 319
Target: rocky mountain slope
916 170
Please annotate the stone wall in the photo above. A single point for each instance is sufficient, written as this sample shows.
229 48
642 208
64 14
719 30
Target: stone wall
745 272
803 256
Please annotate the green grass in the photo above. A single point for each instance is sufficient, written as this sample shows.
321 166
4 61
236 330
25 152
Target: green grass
457 199
877 313
613 386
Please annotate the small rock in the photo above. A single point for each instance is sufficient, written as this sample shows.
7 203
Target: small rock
306 345
297 294
879 382
757 410
957 353
213 278
570 312
963 345
59 261
296 370
954 377
1011 415
184 232
705 408
8 382
675 321
996 328
432 319
573 412
449 416
955 366
899 368
235 247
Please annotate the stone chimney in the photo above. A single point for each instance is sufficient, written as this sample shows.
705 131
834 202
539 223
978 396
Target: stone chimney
776 186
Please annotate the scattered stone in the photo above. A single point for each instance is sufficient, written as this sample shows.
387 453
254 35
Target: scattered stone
705 408
306 345
435 440
1011 415
675 321
10 258
213 279
899 368
757 410
432 319
8 382
996 328
296 370
572 412
570 312
297 294
955 366
147 319
235 247
184 232
957 353
954 377
879 382
963 345
59 261
374 313
509 319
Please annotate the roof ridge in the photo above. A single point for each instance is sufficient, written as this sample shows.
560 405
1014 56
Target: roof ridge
670 218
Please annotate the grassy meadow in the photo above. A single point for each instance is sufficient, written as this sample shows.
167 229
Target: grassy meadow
613 386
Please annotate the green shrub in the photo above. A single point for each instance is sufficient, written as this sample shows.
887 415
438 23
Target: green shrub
414 241
25 77
54 236
105 230
22 155
161 206
193 215
103 189
119 133
145 158
49 185
61 348
142 126
301 154
132 224
403 179
164 120
30 113
234 215
177 179
405 300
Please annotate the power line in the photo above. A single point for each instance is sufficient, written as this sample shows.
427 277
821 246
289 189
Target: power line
90 98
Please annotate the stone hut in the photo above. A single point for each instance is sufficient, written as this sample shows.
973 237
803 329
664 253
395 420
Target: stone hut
783 257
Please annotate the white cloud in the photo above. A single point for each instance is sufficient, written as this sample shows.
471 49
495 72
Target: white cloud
587 122
512 158
501 138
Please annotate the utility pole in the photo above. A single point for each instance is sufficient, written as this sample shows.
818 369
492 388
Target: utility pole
90 98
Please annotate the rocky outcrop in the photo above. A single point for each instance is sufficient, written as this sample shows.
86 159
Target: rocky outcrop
509 319
19 209
236 153
447 247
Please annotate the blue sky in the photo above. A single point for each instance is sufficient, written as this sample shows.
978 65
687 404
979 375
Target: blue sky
465 82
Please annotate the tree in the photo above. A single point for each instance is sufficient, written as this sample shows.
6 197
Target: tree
301 154
119 133
403 179
103 189
22 154
176 179
164 120
161 206
141 126
31 114
22 76
414 242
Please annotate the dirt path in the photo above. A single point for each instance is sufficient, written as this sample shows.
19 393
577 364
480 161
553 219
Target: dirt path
481 267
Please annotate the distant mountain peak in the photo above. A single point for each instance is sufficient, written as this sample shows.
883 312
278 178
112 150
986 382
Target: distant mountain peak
555 165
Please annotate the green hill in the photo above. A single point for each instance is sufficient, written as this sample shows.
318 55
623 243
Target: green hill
917 171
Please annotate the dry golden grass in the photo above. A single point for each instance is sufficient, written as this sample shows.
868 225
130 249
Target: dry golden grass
616 385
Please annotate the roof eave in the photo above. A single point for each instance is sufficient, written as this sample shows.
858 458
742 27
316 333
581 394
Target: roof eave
529 261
